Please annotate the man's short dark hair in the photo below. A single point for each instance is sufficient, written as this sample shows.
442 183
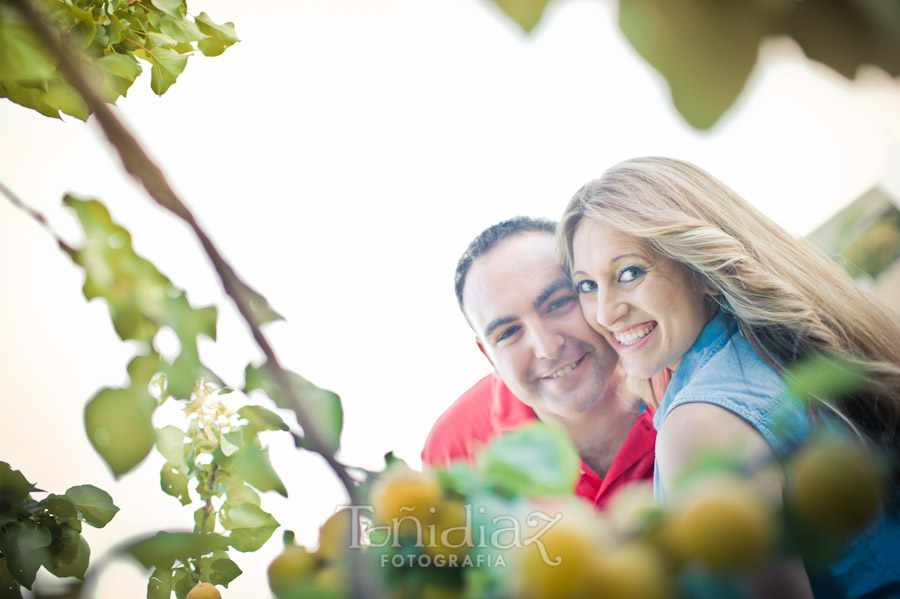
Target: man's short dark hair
490 237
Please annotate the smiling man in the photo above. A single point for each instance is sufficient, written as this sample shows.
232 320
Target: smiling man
548 364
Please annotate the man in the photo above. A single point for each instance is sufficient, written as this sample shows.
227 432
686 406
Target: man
548 364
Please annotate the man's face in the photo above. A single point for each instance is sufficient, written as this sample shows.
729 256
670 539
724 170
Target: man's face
530 325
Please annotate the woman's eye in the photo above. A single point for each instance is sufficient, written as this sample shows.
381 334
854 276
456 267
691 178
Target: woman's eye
585 286
632 273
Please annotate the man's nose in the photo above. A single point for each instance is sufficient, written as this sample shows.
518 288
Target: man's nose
547 343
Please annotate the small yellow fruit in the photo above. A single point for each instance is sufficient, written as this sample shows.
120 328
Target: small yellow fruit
334 535
835 486
204 590
292 568
724 522
332 581
404 493
447 534
634 570
566 568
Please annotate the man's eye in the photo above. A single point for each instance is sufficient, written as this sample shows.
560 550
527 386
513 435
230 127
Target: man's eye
585 286
507 333
632 273
560 303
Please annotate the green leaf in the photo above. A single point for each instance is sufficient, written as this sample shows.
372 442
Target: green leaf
823 376
171 443
537 460
221 571
250 526
167 66
95 504
22 56
63 96
119 426
261 419
225 32
175 8
705 49
181 30
323 407
259 305
14 488
526 13
175 483
121 65
183 580
30 97
77 565
24 544
9 587
241 494
160 584
254 466
62 508
85 28
162 549
199 526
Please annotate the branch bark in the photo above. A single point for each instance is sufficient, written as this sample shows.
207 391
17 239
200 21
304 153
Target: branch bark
139 165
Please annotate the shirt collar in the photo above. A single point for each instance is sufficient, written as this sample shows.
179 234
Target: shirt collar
712 338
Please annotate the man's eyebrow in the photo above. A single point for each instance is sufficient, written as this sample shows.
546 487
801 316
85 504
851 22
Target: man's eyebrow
550 290
498 322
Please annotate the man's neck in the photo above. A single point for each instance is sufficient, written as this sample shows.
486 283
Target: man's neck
598 434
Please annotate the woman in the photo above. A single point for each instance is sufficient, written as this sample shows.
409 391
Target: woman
679 272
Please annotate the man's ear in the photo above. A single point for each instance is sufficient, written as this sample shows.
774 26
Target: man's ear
481 348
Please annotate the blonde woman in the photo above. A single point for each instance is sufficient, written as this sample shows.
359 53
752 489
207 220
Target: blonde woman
679 272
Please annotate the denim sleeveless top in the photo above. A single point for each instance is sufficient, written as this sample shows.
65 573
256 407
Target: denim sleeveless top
723 369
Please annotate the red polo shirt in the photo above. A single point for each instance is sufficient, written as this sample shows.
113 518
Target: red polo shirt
489 409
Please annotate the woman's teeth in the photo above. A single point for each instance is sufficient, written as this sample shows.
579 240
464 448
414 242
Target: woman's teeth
634 335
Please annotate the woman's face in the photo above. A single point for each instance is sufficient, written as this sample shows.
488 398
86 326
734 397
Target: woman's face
645 304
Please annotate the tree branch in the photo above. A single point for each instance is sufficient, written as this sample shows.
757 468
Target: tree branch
139 165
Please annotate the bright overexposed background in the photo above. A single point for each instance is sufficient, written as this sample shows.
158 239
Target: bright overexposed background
342 156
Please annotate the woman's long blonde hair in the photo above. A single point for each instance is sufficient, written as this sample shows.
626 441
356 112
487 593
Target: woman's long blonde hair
790 299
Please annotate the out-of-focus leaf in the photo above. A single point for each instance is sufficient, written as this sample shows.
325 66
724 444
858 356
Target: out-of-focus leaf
705 49
224 31
119 426
221 570
323 407
162 549
95 504
539 459
261 419
9 587
77 566
823 376
847 34
526 13
160 584
254 466
175 483
141 299
181 30
170 441
14 488
250 526
174 8
62 508
22 56
24 544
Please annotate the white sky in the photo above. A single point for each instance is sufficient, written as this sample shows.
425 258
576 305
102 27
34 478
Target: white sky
342 156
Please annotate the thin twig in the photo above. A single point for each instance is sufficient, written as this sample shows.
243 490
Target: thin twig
35 215
141 167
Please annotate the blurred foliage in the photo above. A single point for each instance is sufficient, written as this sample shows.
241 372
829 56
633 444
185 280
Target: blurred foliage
706 49
113 36
47 532
877 248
